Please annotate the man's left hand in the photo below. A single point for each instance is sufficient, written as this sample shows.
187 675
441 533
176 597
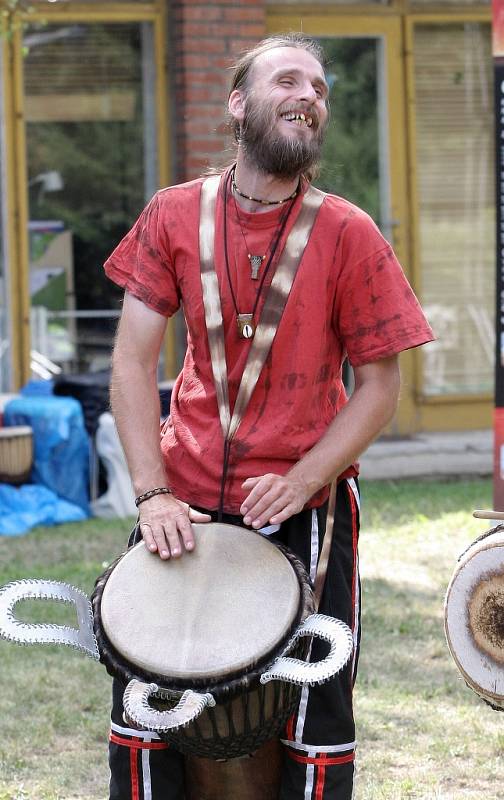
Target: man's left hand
272 499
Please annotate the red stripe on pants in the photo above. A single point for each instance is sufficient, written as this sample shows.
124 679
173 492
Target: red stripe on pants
323 760
319 788
137 744
135 794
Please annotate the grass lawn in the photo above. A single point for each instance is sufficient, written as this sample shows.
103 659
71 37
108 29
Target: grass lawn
421 732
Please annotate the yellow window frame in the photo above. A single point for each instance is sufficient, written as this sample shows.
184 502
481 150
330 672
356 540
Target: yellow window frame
16 168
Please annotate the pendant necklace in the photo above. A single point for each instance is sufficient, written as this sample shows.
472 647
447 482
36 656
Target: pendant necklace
245 322
254 260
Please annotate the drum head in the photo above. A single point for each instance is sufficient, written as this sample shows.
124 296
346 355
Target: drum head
474 617
211 613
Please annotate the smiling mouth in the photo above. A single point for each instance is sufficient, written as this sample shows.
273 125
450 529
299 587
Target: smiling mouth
298 118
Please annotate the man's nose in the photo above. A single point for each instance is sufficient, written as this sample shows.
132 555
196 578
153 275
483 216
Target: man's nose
308 93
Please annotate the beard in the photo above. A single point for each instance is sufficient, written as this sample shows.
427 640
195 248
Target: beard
273 153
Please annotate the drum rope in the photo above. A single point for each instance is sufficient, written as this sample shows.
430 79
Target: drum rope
481 538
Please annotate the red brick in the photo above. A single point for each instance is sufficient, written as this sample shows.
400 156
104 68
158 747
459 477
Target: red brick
199 78
202 146
195 126
221 29
203 94
205 111
239 14
201 45
204 12
250 29
197 61
223 63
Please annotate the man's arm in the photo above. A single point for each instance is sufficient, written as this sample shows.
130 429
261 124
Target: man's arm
273 498
164 520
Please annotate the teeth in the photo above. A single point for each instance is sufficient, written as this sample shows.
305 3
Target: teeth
300 119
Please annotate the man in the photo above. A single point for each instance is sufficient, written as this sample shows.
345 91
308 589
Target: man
298 432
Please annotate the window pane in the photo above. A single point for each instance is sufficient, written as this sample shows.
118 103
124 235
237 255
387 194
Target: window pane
350 156
5 338
455 168
91 139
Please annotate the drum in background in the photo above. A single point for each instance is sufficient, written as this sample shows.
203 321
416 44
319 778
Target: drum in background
474 616
16 454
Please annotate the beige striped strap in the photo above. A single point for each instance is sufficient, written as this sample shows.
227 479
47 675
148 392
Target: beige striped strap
211 298
272 311
323 562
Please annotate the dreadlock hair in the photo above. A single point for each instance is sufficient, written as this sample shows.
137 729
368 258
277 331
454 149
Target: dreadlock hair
242 68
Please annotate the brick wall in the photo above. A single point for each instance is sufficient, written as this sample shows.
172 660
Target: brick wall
204 39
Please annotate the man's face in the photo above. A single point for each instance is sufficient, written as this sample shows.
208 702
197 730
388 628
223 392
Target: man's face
284 112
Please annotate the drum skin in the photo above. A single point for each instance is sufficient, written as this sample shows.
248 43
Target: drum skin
247 714
474 616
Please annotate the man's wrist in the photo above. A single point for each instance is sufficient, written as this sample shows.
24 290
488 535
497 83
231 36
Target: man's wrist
152 493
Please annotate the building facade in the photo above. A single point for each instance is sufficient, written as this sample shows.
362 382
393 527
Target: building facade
104 102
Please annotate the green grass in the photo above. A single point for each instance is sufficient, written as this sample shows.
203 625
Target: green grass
422 734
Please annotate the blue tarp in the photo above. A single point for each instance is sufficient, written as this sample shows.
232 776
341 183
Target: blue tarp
30 505
61 444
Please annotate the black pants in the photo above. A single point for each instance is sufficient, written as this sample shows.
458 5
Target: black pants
320 738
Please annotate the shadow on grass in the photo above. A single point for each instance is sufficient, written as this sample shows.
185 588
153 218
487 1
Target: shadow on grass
397 502
404 651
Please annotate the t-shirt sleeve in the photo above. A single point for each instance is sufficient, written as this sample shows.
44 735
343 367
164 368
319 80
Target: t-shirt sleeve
376 312
141 262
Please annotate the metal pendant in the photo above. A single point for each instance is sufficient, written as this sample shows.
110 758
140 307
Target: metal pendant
255 265
246 327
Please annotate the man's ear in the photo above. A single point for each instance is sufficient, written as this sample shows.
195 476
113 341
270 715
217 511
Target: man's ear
236 105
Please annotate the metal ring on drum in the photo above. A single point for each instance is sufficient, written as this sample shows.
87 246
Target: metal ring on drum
474 616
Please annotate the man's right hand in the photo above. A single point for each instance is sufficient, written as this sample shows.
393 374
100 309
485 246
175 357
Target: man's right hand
165 524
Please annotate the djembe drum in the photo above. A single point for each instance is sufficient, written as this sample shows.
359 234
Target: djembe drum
474 615
211 646
16 454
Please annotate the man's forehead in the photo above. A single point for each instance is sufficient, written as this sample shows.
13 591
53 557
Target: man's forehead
280 59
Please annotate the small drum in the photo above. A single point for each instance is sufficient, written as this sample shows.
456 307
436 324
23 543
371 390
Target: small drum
474 616
201 642
16 454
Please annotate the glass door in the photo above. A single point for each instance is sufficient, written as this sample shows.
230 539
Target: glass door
91 139
5 322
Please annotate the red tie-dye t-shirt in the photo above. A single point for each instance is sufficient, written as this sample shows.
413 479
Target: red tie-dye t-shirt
349 298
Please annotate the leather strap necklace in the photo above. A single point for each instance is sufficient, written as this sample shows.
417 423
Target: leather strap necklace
245 322
256 199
